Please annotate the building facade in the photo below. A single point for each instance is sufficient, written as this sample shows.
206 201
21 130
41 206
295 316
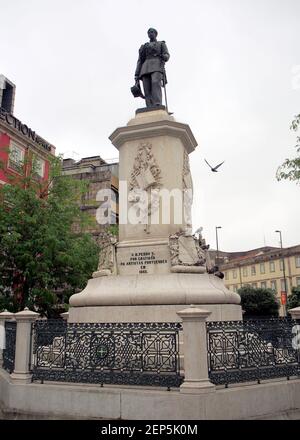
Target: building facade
100 176
264 267
19 144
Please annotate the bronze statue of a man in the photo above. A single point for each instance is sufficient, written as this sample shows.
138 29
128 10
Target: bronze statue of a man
151 68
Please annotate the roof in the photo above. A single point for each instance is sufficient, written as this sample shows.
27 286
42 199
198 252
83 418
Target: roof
257 255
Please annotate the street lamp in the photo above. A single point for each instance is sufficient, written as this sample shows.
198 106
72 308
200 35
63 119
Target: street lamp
217 241
284 277
240 273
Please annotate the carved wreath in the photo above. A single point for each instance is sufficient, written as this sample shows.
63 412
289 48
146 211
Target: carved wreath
145 171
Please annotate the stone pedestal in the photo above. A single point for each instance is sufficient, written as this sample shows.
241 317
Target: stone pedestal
159 266
153 154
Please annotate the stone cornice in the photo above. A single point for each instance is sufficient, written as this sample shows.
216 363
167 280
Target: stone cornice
154 129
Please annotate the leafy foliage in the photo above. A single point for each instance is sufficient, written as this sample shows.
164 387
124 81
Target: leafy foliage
290 169
258 302
113 229
42 256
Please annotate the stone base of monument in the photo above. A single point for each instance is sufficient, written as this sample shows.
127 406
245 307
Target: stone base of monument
162 313
157 267
153 298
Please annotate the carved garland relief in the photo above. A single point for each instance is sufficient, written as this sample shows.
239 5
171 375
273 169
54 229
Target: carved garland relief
145 176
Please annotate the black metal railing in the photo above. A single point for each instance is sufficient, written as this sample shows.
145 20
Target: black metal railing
10 346
118 353
252 350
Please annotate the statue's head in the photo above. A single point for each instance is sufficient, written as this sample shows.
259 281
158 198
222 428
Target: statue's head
152 33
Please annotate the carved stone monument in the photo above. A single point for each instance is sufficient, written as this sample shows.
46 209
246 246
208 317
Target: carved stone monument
157 267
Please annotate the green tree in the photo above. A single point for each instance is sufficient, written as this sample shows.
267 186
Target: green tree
258 302
290 169
294 298
41 252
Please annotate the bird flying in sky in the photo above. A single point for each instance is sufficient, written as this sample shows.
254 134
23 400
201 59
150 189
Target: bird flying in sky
214 169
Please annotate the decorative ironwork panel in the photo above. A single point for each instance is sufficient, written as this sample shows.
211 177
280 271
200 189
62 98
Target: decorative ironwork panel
119 353
49 342
10 346
240 351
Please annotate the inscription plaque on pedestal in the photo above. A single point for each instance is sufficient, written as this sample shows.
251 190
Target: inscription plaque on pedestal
143 260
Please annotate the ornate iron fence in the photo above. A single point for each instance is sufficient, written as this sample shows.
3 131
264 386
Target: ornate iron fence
120 353
242 351
10 346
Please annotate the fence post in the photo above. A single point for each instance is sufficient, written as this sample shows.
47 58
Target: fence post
295 313
4 316
195 351
21 373
65 316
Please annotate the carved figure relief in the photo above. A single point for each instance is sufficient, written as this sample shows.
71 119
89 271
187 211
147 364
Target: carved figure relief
187 185
107 258
186 172
205 249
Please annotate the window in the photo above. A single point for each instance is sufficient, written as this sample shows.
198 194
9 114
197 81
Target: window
39 167
226 275
16 157
253 270
297 261
245 271
235 288
298 282
262 267
274 285
234 273
272 266
254 285
281 264
263 285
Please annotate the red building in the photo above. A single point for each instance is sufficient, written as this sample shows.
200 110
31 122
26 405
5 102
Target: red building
19 144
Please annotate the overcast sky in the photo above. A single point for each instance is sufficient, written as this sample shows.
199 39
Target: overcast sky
232 77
